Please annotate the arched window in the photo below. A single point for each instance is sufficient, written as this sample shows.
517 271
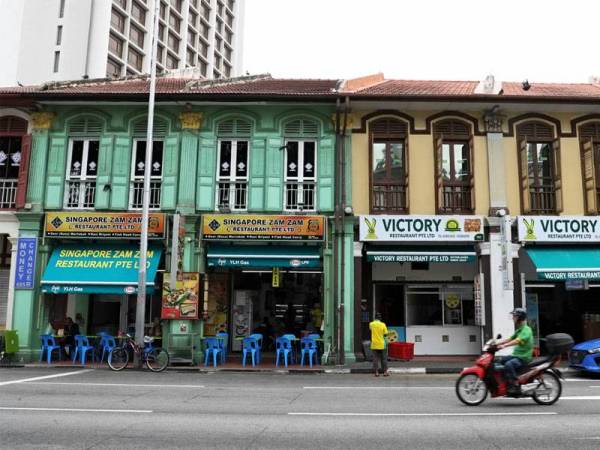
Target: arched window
82 161
138 162
589 140
455 189
233 160
389 165
539 168
14 157
300 164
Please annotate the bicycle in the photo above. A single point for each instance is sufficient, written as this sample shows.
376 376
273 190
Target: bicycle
156 358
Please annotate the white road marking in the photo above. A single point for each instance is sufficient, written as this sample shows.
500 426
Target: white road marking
140 411
582 397
186 386
25 380
578 380
422 414
378 387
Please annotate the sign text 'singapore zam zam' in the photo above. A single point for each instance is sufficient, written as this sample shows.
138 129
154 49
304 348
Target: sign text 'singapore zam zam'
262 227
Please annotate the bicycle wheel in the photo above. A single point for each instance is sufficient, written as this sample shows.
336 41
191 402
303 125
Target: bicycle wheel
157 359
118 358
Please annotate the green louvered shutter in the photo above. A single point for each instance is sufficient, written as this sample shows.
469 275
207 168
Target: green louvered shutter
205 199
256 202
188 164
325 174
104 172
274 175
168 199
55 178
121 169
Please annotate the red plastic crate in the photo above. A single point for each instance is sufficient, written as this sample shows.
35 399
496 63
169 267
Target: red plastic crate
401 350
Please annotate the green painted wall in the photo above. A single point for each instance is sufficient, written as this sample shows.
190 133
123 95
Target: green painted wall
188 186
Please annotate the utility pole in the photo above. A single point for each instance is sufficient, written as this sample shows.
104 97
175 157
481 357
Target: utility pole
142 275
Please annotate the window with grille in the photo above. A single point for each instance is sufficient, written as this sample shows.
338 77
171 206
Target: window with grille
232 175
138 166
389 169
589 137
10 162
454 167
300 175
539 168
82 170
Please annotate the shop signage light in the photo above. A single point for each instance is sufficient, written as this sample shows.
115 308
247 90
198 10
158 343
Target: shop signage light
559 229
421 228
104 225
262 227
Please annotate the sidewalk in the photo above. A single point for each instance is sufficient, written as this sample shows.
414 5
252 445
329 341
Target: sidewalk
418 365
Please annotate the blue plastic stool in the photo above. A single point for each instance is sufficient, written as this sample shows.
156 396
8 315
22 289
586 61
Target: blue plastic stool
259 340
224 341
315 336
49 343
292 339
213 347
82 346
309 347
283 347
107 343
250 346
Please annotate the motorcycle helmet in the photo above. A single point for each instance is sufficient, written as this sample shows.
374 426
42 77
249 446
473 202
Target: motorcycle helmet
520 313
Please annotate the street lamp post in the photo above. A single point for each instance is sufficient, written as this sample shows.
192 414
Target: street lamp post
142 275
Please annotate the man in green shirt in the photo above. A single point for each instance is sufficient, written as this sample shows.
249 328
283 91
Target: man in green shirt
522 339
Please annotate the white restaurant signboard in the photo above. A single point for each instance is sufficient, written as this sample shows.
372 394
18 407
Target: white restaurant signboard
379 228
559 229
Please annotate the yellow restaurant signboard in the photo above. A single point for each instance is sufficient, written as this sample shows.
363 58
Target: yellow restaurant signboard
252 227
79 224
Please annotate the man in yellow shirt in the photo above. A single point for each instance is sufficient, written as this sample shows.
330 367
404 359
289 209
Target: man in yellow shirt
378 333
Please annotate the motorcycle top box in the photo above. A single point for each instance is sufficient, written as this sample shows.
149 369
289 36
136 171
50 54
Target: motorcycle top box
558 343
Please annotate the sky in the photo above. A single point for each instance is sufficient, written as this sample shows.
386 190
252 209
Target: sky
538 40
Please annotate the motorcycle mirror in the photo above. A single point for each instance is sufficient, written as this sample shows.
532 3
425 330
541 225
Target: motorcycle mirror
499 336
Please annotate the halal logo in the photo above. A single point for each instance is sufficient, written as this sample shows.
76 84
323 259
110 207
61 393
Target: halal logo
214 225
529 230
452 225
56 222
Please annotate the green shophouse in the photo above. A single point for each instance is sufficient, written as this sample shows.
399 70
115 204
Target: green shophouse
232 150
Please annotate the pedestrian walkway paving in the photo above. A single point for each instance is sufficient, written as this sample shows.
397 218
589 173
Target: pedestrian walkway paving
417 365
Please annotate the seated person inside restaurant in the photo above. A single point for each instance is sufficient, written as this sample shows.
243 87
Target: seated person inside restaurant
71 330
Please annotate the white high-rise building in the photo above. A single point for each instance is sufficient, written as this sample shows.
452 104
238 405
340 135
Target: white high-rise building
56 40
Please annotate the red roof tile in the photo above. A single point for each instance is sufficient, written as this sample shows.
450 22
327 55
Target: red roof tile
551 90
400 88
252 86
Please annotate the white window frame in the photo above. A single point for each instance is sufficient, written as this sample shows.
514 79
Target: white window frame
133 178
82 179
233 177
300 179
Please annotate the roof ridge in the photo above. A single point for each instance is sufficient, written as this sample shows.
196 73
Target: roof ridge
205 84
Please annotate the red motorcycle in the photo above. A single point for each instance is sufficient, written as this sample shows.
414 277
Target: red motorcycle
539 379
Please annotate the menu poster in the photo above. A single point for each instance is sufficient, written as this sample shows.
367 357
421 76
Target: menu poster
181 302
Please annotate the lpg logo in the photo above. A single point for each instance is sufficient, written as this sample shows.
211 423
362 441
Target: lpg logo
295 263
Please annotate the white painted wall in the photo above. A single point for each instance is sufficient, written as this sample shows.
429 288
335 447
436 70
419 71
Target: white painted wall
436 272
11 16
432 340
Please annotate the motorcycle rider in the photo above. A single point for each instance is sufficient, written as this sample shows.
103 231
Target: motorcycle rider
522 338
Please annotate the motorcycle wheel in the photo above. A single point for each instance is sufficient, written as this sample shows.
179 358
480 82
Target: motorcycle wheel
549 381
471 390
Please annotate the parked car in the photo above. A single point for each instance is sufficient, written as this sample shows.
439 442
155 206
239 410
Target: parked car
586 356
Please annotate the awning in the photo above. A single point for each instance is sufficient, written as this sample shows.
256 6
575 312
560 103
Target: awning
428 254
566 263
98 269
264 256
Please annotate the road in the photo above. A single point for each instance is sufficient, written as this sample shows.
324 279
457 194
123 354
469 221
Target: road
99 409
